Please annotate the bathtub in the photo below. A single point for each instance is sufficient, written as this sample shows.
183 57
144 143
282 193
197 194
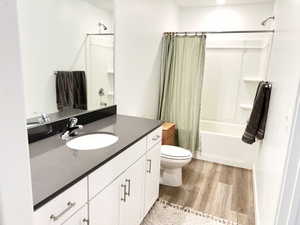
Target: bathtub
221 143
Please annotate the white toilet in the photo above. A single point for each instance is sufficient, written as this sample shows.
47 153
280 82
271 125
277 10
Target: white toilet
173 158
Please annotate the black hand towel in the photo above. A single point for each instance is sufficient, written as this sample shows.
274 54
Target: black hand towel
262 125
80 92
71 90
64 90
257 122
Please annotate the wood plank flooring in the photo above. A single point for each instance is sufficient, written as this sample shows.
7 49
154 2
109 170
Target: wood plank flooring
219 190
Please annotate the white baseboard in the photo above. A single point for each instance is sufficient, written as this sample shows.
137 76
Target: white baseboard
221 160
255 196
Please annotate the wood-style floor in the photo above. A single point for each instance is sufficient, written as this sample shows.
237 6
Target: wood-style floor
219 190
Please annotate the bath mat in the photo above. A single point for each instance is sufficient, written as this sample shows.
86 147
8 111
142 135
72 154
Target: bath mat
165 213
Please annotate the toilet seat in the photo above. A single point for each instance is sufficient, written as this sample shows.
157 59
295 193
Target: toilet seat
175 153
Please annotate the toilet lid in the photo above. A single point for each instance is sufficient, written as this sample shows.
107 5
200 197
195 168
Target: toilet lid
175 152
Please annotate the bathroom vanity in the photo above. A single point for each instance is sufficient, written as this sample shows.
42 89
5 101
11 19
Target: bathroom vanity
114 185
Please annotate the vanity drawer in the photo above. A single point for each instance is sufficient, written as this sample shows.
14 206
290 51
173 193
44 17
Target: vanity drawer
63 206
154 138
103 176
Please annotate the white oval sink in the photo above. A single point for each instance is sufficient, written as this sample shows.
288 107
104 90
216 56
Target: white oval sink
92 141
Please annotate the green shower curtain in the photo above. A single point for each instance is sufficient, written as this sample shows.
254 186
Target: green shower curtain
182 69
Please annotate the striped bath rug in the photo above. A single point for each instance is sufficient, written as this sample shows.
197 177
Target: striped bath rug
165 213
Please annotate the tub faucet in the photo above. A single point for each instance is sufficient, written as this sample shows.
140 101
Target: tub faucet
71 129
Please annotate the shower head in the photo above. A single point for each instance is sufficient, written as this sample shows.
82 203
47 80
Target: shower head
264 22
102 25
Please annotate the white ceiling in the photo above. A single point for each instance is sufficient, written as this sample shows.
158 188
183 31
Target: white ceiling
201 3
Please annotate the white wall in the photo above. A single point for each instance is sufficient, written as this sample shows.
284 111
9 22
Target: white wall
227 93
52 38
284 73
232 17
16 206
139 28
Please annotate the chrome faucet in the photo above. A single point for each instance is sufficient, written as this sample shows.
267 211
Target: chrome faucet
71 129
44 118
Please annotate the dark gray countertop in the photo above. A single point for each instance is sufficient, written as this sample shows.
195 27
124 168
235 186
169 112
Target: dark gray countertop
55 167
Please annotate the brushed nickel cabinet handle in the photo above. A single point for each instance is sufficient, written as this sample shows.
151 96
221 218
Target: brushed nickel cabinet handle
150 166
124 193
129 186
85 221
70 206
156 138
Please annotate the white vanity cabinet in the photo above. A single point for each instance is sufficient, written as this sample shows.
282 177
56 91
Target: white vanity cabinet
132 194
61 208
120 192
104 208
152 177
120 202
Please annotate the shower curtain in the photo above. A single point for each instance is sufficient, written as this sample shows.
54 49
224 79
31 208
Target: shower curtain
182 69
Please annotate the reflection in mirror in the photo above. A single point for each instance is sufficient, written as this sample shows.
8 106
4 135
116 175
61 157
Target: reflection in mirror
67 57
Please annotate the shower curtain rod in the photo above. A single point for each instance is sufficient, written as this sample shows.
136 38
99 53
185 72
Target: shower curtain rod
100 34
222 32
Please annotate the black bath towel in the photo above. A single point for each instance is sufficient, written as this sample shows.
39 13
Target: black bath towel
71 90
258 118
80 92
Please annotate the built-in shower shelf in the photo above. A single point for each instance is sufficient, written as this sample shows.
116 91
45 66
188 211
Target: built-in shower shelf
110 73
251 79
246 106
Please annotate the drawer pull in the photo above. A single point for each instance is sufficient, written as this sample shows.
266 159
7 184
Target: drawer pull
85 221
156 138
124 193
129 186
70 206
150 165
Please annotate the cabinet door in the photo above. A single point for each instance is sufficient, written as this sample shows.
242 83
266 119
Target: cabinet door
79 218
132 193
152 177
104 208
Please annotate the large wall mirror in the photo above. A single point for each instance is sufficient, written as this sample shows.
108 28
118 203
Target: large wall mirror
67 57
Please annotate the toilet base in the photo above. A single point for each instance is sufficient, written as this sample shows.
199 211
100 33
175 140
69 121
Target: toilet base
171 177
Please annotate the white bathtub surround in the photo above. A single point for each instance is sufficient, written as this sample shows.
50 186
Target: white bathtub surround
166 213
221 143
100 70
173 158
229 91
182 69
